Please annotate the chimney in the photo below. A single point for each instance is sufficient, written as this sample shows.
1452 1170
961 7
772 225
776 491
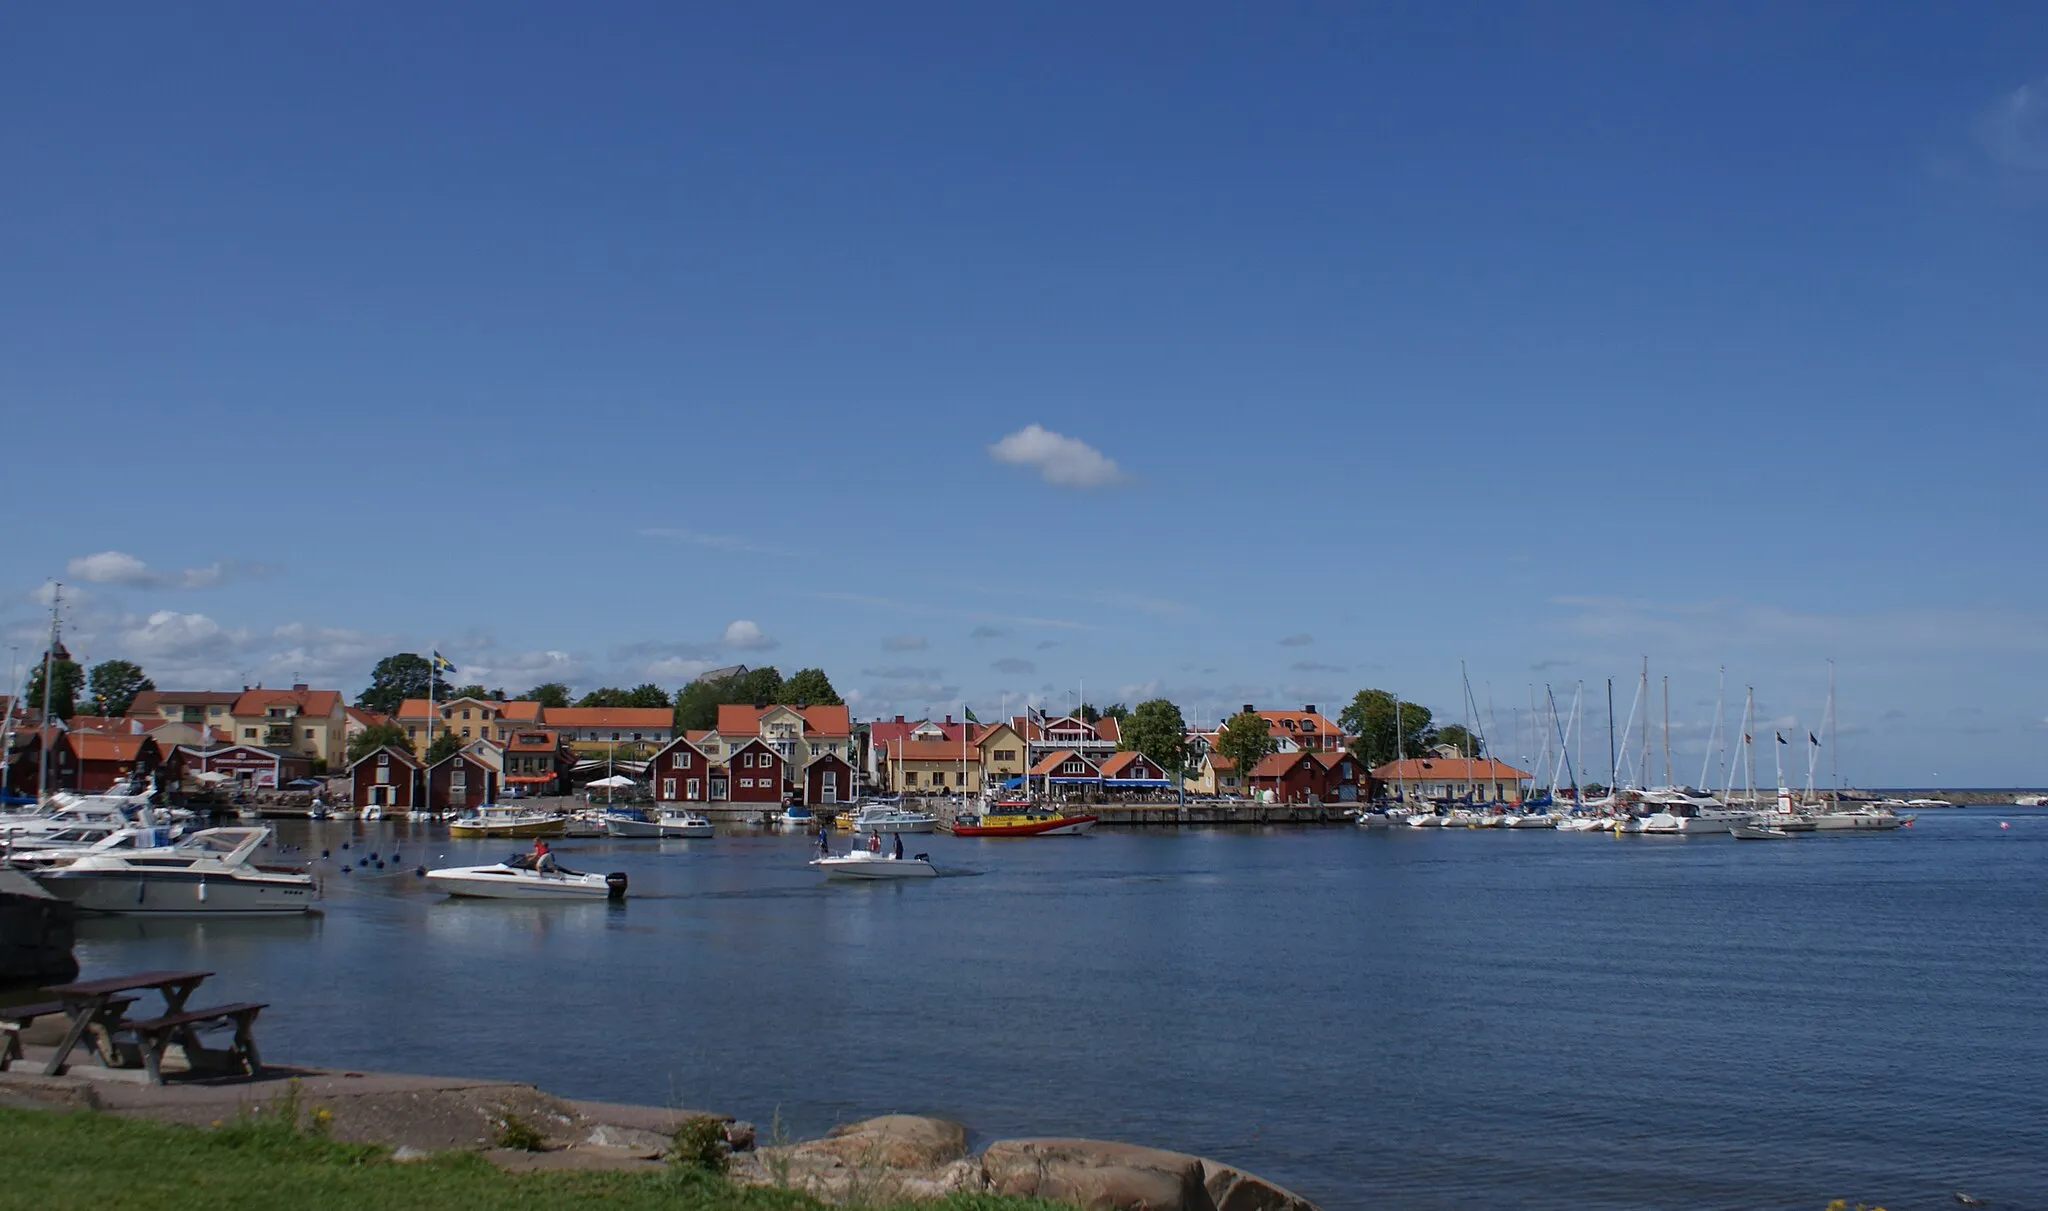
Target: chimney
899 718
1247 708
299 686
949 719
1310 709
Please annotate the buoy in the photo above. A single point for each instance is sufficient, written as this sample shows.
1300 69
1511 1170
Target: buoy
344 868
380 866
421 871
324 853
2003 824
373 855
344 845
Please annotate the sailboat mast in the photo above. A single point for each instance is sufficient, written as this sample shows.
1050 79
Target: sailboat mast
1612 771
49 665
1667 730
1834 765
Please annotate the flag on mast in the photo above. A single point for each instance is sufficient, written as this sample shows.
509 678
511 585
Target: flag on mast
441 664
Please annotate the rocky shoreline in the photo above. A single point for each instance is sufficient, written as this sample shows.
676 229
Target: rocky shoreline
890 1159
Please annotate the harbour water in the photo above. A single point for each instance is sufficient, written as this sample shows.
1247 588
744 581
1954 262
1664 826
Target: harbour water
1412 1018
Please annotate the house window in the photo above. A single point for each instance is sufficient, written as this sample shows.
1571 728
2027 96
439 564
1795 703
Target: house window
248 733
910 778
465 715
383 758
465 733
1006 754
1073 767
668 788
682 761
412 733
636 736
711 748
458 779
747 782
615 735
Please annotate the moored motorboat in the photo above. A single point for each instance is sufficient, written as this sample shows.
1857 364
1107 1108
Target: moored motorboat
797 816
668 822
493 821
518 880
210 871
892 818
1759 829
1013 819
861 864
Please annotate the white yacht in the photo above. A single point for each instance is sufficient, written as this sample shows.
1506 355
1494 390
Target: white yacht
1857 818
1686 812
61 848
890 818
668 822
518 880
210 871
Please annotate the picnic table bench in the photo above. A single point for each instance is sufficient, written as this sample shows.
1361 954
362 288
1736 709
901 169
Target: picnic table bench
100 1006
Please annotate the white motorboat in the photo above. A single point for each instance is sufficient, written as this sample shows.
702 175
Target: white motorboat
494 821
1529 820
861 864
210 871
517 879
890 818
1583 824
31 827
61 848
668 822
1425 819
1758 829
1857 819
1931 803
1382 818
798 817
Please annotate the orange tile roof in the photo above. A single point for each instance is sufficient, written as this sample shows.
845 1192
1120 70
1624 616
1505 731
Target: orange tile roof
1276 765
1222 764
367 718
1051 762
1456 769
736 719
1306 723
646 718
1107 728
310 702
520 710
1114 765
530 741
99 746
931 750
150 702
106 723
404 755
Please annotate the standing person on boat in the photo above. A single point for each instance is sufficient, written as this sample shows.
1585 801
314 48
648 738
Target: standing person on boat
543 857
824 840
874 843
899 846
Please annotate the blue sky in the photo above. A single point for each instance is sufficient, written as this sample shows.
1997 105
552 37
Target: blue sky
1359 342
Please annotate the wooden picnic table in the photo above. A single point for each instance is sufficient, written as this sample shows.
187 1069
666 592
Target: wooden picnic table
103 1002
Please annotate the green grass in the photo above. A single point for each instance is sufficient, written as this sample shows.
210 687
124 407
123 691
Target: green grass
97 1162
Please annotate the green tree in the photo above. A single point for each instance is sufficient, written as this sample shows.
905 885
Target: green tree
1461 738
477 691
1246 739
444 744
810 687
374 737
1088 713
647 694
1157 730
603 696
1117 711
399 677
550 693
1371 722
67 677
697 703
115 684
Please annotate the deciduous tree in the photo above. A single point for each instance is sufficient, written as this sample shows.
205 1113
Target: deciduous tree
1157 730
374 737
810 686
550 693
444 744
1246 739
66 678
1371 722
1461 738
399 677
115 683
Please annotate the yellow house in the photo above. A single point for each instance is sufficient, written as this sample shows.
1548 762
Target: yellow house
932 767
469 718
1004 755
306 722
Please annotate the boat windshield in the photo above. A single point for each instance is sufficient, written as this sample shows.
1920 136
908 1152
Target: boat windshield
214 841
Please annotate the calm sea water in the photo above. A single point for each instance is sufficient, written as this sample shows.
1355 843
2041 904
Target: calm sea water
1414 1019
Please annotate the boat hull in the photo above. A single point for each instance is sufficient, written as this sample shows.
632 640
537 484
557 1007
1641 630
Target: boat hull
523 828
183 893
894 826
1754 832
1861 822
873 867
499 883
1058 826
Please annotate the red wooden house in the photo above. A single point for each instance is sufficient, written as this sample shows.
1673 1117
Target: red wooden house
756 773
1132 771
461 780
1295 777
101 760
829 779
680 773
387 777
1345 779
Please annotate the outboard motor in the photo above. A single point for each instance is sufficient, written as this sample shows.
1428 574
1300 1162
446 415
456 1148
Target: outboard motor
615 885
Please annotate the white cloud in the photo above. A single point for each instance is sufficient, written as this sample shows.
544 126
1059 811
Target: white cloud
1062 461
2014 132
904 643
676 668
121 568
748 637
178 639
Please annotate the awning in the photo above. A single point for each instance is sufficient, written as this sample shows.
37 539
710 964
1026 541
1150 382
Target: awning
1082 781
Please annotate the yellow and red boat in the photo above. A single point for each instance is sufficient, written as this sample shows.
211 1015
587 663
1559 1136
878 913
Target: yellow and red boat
1013 818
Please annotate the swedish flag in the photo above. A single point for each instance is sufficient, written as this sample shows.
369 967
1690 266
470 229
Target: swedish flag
441 664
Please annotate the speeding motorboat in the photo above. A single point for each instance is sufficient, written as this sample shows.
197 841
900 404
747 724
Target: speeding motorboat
210 871
862 864
517 879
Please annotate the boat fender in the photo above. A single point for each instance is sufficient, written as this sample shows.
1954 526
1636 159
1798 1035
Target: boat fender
344 868
344 845
615 885
202 889
421 871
